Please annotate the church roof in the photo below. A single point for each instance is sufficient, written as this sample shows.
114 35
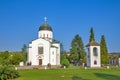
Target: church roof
45 26
93 43
55 41
53 46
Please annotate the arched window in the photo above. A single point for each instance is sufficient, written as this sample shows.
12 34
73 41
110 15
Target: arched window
95 51
40 50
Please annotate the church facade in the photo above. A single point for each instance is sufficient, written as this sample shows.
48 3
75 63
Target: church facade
44 50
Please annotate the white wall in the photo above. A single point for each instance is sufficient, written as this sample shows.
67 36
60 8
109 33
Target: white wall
45 34
53 56
90 60
33 52
47 56
57 53
88 56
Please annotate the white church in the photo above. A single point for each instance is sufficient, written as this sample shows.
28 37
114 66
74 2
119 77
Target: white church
45 49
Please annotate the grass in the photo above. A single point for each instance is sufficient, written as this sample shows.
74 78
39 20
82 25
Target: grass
70 74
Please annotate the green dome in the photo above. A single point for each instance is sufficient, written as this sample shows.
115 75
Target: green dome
45 26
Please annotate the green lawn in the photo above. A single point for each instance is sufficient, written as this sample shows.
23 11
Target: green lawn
69 74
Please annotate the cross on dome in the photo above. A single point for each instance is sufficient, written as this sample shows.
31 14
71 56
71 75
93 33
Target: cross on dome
45 20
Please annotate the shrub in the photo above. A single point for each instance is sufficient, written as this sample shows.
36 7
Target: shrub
49 65
8 72
65 62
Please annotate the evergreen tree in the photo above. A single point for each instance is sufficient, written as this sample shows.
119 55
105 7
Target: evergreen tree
104 51
77 49
91 35
24 52
61 48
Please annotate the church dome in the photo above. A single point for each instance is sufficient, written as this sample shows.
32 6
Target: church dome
45 26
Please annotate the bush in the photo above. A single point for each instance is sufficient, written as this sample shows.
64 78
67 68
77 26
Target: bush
65 62
8 72
49 65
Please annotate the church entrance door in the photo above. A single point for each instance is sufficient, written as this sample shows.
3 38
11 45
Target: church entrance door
40 61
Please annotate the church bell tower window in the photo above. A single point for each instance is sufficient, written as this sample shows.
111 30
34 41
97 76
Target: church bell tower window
95 51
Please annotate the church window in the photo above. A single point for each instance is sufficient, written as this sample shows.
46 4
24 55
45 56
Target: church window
95 51
95 62
40 50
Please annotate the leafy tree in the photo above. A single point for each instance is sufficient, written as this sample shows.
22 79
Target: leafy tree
4 58
7 70
77 51
91 35
65 62
104 51
16 58
63 59
62 56
4 55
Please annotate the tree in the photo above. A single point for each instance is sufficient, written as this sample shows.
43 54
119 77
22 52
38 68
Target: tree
24 52
4 58
73 51
64 59
65 62
62 56
61 48
77 49
7 70
16 58
91 35
24 48
104 51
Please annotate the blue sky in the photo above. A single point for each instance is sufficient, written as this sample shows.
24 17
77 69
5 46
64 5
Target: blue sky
20 20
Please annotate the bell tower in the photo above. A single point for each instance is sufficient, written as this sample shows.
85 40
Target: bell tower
93 54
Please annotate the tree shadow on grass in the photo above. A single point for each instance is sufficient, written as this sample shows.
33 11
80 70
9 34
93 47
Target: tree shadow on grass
78 78
107 76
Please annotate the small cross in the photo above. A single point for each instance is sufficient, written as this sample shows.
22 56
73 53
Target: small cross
45 19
